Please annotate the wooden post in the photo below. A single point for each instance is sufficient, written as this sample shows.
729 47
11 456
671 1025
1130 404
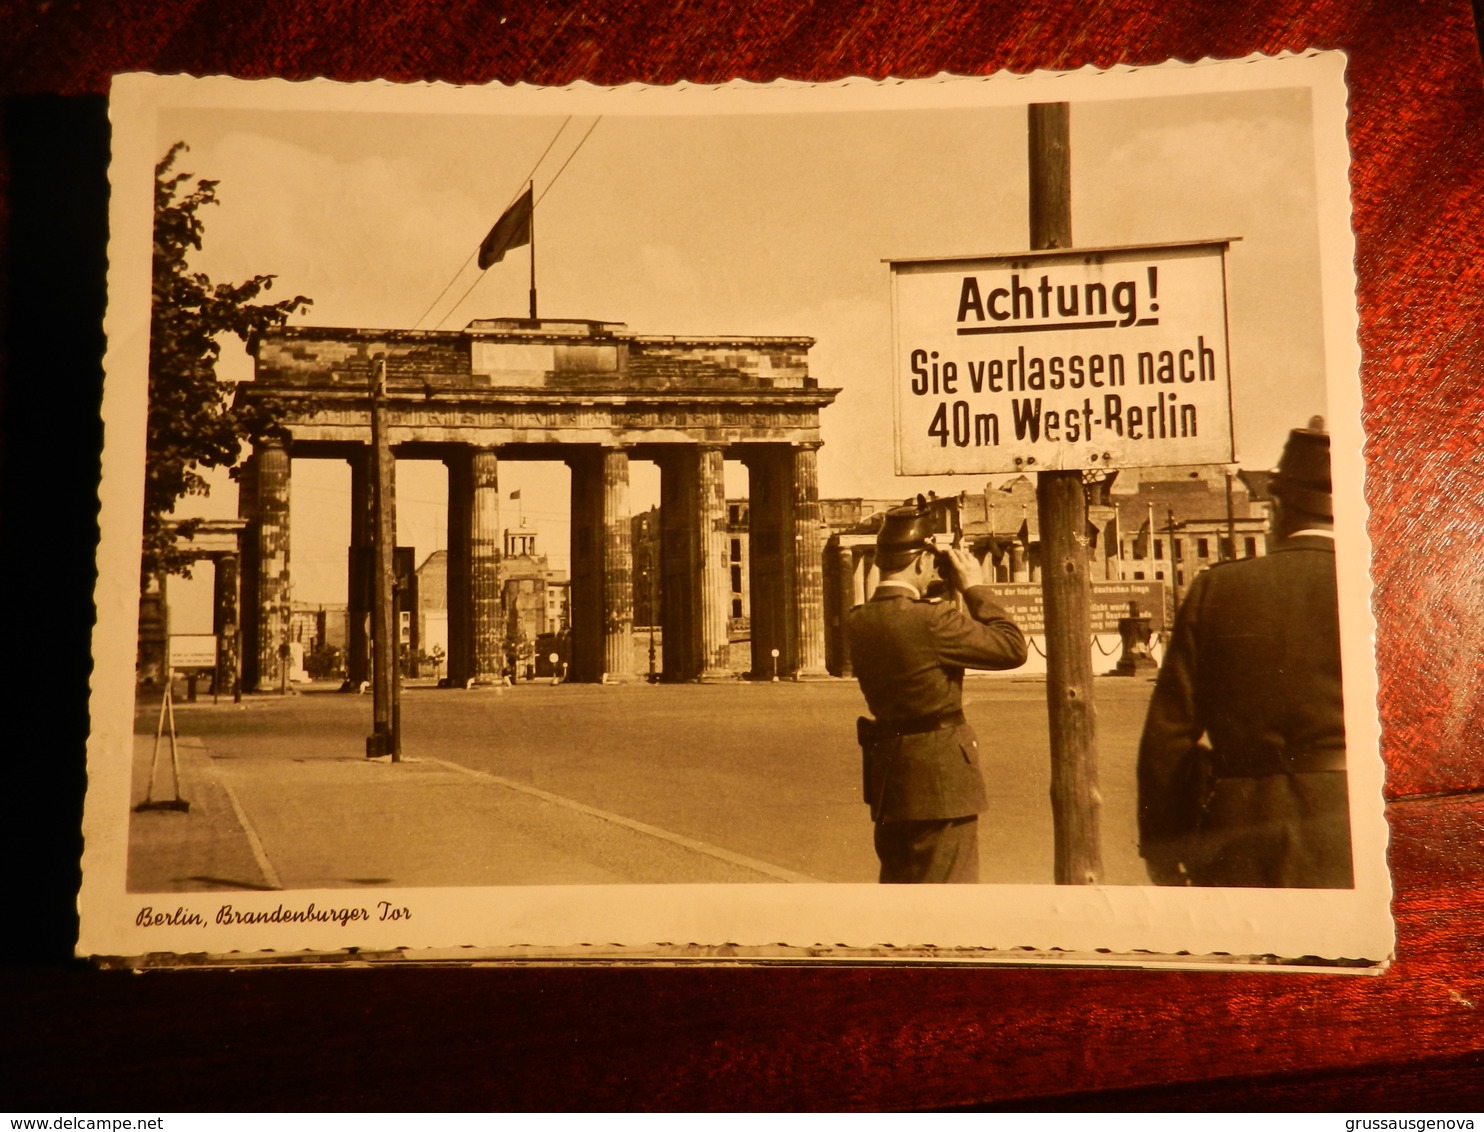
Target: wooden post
384 739
1066 585
394 657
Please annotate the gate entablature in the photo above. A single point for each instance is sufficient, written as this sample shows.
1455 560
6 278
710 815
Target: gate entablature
513 381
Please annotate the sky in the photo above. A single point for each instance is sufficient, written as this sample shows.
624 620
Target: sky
750 224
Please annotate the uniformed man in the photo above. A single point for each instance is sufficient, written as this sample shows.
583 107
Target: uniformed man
1242 779
909 651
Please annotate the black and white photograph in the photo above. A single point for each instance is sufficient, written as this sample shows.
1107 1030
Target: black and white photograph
910 520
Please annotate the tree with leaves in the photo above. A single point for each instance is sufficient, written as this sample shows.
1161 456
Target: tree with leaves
194 421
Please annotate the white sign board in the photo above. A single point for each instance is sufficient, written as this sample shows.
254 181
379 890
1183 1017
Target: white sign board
192 650
1042 361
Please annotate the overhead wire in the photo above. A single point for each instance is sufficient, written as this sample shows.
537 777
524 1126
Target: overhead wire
570 156
537 201
464 266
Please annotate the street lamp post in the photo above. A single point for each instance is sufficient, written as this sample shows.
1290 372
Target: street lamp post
649 567
1174 559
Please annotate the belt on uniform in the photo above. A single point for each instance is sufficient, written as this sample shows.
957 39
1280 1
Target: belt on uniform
920 724
1262 761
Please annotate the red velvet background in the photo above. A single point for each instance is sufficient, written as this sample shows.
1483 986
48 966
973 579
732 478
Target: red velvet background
790 1037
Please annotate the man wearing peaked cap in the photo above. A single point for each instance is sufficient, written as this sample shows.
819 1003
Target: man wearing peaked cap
1242 774
909 650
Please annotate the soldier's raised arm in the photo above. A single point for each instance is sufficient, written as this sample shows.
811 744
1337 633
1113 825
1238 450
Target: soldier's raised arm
985 637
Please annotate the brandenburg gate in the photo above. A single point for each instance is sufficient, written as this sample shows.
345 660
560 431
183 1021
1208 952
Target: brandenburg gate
589 394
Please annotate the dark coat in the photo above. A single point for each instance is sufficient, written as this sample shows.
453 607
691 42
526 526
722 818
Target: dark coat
1253 671
909 656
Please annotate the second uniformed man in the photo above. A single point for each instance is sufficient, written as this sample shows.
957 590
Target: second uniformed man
909 651
1242 771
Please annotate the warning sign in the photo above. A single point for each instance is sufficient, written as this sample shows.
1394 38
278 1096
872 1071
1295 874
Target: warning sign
1060 360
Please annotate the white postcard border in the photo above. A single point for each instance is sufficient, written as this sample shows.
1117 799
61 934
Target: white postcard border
1116 921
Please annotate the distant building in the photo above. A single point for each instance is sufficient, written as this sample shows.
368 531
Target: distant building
320 625
739 618
1145 525
536 600
319 634
432 605
644 535
1172 523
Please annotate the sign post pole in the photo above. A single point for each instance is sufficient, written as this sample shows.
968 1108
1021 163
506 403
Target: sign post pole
384 739
1067 362
1066 584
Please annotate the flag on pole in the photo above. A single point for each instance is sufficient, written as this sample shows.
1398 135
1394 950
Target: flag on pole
515 494
512 230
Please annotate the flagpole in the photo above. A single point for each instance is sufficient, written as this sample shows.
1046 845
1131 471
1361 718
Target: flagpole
530 188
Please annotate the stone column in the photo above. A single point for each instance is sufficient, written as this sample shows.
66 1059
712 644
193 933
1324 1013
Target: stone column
618 568
848 594
808 563
485 543
457 586
247 628
587 566
697 575
715 578
361 584
680 541
770 555
271 508
224 623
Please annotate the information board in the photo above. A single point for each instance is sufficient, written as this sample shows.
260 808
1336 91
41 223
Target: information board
1110 603
192 650
1045 361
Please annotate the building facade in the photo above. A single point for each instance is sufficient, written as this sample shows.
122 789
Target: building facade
1172 523
1150 526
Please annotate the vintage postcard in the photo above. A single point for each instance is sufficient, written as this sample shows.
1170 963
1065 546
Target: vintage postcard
694 522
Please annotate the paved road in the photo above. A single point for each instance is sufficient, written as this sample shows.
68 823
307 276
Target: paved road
588 784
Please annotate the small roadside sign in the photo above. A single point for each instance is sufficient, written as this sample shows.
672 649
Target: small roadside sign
192 650
1062 360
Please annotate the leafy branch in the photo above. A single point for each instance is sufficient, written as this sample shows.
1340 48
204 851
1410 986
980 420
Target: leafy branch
194 423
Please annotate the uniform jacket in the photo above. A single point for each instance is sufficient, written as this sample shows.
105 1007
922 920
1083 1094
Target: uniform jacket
909 656
1253 670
